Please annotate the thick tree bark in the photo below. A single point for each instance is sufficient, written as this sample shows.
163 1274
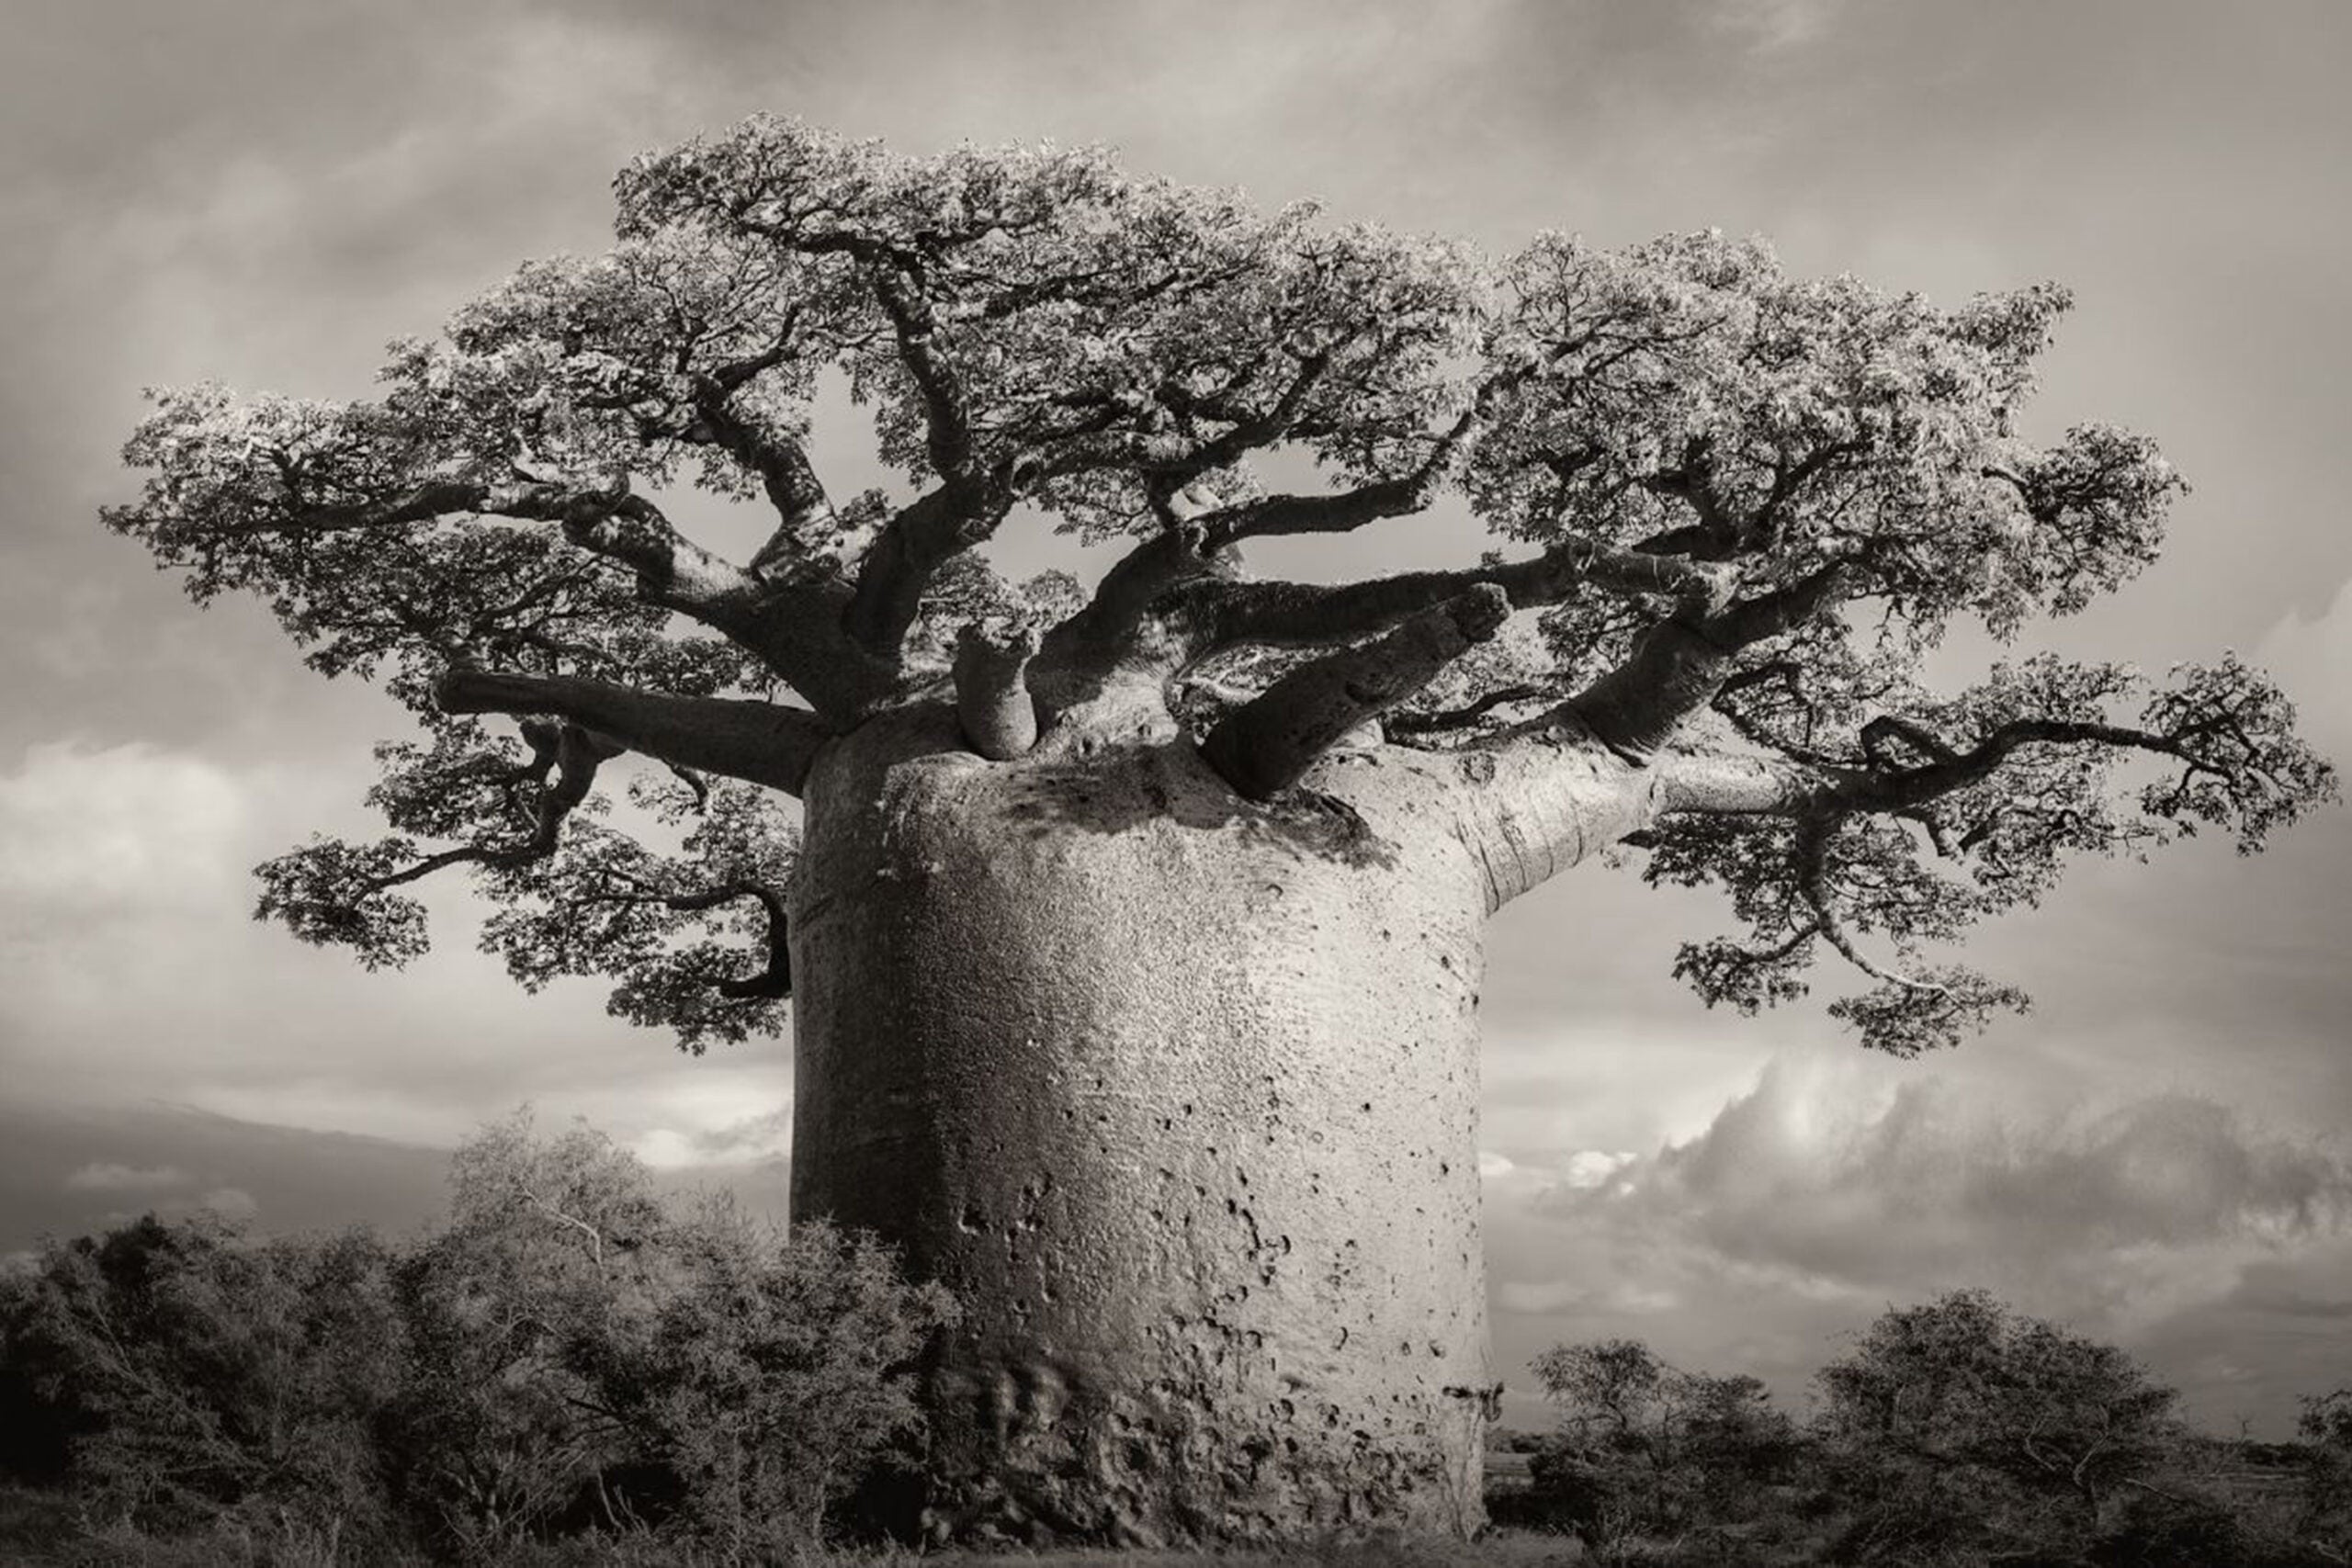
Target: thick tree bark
1179 1093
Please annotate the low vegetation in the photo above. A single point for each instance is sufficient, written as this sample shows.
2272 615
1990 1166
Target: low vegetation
1956 1434
571 1371
569 1365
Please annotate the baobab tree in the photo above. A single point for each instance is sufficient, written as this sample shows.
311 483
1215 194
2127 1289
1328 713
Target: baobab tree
1132 931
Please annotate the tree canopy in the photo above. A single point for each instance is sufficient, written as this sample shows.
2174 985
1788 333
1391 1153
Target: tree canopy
1738 510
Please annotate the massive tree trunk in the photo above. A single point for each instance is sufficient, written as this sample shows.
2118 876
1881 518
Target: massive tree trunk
1180 1095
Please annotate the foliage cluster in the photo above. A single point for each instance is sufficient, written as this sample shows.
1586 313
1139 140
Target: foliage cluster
1957 1433
568 1354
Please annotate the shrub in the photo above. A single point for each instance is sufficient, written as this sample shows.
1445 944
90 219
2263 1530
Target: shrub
568 1354
1647 1453
2009 1425
199 1371
771 1373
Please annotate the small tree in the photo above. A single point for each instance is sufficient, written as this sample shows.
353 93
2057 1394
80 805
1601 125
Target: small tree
771 1374
204 1372
568 1352
550 1256
1648 1451
2326 1427
576 1335
1965 1410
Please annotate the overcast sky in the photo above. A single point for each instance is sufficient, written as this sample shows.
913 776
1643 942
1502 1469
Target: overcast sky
265 193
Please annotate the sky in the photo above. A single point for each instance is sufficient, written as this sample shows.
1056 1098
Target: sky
266 194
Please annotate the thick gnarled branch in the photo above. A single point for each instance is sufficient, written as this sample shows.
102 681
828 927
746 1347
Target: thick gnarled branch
794 628
1227 613
918 540
992 700
1269 743
762 743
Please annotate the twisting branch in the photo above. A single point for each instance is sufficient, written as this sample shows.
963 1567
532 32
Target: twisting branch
1877 733
1225 614
1351 509
1953 769
781 462
946 412
1680 665
1269 743
616 524
1248 433
564 760
992 693
971 498
1124 598
762 743
1812 850
1404 724
774 981
919 539
793 629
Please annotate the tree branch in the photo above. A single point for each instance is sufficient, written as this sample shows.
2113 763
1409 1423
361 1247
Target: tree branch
775 980
564 760
946 413
1952 770
1228 612
1346 510
794 630
1269 742
992 693
762 743
910 550
1811 849
1162 561
672 570
772 982
783 466
1680 665
1401 724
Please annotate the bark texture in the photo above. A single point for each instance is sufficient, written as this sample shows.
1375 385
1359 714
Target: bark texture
1180 1094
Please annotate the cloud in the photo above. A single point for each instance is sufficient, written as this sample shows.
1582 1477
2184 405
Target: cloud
1829 1189
1588 1168
2095 1208
123 827
749 1141
106 1176
2309 656
1768 26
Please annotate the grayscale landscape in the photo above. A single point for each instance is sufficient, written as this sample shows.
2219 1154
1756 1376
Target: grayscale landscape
1477 782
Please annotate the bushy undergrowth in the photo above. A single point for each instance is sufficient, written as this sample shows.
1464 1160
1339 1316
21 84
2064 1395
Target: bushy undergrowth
1957 1434
42 1529
569 1364
571 1372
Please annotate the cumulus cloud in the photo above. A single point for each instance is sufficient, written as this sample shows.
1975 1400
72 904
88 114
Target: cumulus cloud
106 1175
2095 1209
1826 1192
